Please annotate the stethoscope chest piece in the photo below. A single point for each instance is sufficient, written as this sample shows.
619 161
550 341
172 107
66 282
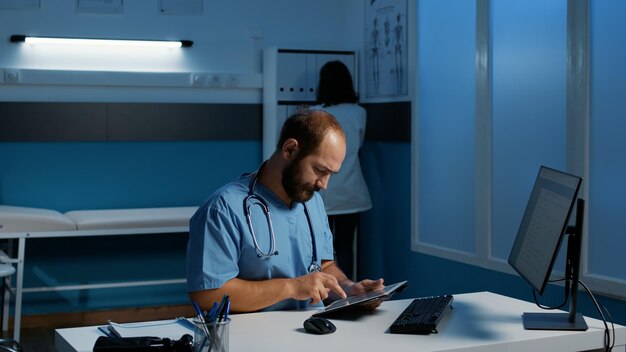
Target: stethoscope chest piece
314 268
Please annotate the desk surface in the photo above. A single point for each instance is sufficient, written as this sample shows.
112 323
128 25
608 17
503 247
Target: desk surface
480 321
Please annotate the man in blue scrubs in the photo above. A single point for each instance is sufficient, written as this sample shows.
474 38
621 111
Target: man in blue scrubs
278 261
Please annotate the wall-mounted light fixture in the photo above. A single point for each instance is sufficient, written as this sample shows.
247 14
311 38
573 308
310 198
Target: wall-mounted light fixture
101 42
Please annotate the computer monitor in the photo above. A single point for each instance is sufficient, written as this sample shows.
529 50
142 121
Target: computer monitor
544 225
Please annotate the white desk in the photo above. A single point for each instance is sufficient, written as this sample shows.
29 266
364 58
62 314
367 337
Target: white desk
481 321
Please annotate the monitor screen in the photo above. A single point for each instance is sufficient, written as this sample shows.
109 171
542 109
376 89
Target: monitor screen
544 222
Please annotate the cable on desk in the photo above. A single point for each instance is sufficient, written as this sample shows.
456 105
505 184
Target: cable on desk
609 341
555 307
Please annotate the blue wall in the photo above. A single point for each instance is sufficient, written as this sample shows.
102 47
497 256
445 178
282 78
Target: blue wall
67 176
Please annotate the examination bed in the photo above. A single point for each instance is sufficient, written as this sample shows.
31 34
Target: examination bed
20 223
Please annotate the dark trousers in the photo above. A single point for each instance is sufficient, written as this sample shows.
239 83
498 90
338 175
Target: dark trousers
344 228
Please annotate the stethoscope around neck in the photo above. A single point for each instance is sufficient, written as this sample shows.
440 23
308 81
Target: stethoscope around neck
253 199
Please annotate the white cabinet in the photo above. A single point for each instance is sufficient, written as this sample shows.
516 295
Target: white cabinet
289 81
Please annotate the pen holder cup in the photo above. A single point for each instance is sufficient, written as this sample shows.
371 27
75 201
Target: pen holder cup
211 336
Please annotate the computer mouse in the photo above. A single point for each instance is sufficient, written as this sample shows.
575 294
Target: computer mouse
319 326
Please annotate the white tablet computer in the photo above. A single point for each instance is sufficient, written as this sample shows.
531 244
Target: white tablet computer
345 303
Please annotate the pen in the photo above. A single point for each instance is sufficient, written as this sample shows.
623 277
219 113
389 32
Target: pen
224 314
212 312
200 317
220 308
197 308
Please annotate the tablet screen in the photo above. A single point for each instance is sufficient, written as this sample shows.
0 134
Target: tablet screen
351 301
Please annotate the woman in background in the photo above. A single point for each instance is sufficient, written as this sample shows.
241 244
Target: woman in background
346 195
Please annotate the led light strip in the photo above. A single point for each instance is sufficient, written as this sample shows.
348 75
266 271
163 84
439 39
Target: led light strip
101 42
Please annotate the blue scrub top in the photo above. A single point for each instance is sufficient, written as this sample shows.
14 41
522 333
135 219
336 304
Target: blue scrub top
221 246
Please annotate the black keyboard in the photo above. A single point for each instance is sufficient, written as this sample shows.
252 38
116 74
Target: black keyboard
422 316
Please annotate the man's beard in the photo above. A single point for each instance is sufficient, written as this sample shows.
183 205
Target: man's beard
297 191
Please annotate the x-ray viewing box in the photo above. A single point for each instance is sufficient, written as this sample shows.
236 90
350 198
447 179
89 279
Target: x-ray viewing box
20 223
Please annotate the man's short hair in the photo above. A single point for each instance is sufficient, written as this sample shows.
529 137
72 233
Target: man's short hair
308 127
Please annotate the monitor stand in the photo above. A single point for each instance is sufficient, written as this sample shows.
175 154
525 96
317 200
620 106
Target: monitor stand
553 321
571 320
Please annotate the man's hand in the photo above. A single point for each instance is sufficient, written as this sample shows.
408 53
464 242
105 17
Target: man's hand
366 286
316 287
